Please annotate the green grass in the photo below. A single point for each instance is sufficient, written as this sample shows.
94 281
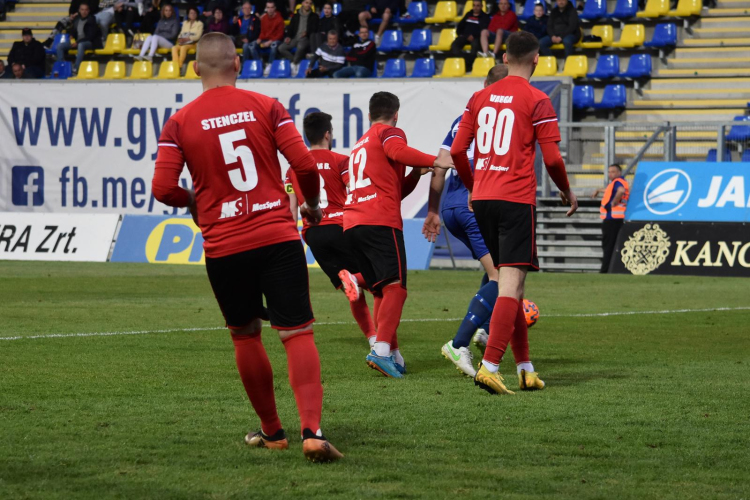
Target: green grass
639 406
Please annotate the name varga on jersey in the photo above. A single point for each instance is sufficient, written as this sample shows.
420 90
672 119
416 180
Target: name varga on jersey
502 99
225 121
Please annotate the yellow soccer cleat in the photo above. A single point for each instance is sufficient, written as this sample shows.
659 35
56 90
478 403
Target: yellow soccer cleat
491 382
259 440
530 381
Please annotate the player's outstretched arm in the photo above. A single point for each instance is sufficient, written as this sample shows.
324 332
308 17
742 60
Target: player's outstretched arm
396 149
431 227
459 154
556 168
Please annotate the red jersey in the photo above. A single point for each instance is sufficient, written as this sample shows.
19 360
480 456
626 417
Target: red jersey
505 22
333 169
229 138
506 119
377 182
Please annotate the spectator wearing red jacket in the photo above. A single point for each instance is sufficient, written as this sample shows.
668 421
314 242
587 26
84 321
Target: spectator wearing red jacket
502 24
271 33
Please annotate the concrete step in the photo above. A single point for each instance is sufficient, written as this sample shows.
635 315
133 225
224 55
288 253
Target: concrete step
726 12
720 32
592 243
712 52
53 9
709 41
36 16
725 22
732 4
695 93
683 115
57 2
15 26
708 62
681 135
570 254
689 84
689 103
728 72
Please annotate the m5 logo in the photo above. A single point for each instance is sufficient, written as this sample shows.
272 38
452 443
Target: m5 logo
27 186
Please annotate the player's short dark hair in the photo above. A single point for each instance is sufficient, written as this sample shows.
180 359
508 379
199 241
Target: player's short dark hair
497 73
383 105
315 126
333 32
522 46
617 166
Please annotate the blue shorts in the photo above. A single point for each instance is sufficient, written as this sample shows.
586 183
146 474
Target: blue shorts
463 225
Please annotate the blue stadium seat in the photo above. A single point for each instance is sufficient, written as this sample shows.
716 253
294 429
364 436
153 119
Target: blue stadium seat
583 96
394 68
639 66
665 35
280 68
252 69
57 41
303 65
528 9
420 41
64 70
416 12
746 155
423 68
614 97
740 132
336 9
378 20
594 9
392 41
624 9
607 66
713 155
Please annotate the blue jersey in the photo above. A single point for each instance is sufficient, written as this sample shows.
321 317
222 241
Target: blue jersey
456 195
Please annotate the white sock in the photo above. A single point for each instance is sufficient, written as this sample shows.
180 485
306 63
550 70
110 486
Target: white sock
492 367
396 353
354 279
371 340
525 366
382 349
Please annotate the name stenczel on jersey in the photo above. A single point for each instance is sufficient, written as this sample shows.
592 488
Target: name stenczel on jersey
227 120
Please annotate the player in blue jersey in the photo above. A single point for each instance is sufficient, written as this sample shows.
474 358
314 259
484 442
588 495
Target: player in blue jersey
460 222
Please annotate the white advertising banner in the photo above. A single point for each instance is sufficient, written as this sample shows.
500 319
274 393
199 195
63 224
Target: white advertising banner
90 147
44 236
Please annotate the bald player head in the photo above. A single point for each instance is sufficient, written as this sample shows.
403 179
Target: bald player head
497 73
216 61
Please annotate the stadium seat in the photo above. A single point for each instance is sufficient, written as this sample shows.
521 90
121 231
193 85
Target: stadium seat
336 9
57 41
687 8
607 66
547 66
168 70
740 133
745 156
528 9
446 39
394 68
251 69
280 68
583 96
614 96
89 70
605 32
482 66
665 35
632 35
392 41
303 65
468 6
416 13
639 66
624 9
444 11
115 44
142 70
453 67
594 9
420 41
575 66
190 73
713 155
654 8
140 37
61 70
423 68
115 70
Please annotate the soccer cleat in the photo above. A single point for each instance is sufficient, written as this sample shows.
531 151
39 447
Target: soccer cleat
461 357
318 449
350 285
383 364
276 442
491 382
401 368
480 339
530 381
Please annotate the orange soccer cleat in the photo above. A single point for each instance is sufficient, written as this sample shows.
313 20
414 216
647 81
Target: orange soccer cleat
276 442
318 449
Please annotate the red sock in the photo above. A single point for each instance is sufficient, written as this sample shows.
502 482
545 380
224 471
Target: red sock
257 377
394 342
519 342
389 315
360 279
377 299
361 313
304 377
501 328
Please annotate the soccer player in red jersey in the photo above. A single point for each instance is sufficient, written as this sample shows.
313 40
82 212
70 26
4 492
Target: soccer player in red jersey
507 119
326 240
229 139
373 223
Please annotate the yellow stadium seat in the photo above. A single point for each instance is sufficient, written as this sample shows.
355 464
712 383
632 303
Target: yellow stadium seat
632 35
687 8
655 8
89 70
605 32
168 70
115 44
141 37
444 11
190 74
142 70
482 66
453 67
547 66
468 6
446 39
575 66
115 70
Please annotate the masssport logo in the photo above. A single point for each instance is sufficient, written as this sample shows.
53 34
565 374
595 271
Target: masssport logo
667 192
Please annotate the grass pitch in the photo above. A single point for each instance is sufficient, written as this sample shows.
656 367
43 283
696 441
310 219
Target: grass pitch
636 406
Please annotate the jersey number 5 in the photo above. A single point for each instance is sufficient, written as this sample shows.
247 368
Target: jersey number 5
359 180
232 154
495 130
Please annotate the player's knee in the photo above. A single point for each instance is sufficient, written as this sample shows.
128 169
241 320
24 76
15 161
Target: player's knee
252 328
285 335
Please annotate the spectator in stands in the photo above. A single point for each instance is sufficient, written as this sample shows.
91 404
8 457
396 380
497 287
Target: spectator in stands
106 15
327 23
219 23
246 29
469 31
502 24
29 53
303 24
209 10
191 32
128 16
151 16
349 17
76 4
330 58
62 26
271 33
164 35
361 58
563 27
383 9
612 211
4 74
17 71
85 31
537 25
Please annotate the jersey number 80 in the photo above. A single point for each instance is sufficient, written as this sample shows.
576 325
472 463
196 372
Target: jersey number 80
494 130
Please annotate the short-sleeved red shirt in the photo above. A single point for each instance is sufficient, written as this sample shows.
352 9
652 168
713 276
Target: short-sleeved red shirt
506 22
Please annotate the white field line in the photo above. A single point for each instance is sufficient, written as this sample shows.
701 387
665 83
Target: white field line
417 320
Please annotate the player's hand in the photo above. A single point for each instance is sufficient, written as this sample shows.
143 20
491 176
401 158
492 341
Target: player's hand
471 207
192 207
313 216
431 227
568 197
444 163
420 171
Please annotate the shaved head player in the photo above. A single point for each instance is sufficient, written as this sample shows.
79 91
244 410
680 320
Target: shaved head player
229 139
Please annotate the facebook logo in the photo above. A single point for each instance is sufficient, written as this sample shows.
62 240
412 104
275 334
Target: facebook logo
28 186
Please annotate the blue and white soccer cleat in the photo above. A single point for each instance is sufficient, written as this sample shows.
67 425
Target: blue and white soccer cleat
383 364
401 368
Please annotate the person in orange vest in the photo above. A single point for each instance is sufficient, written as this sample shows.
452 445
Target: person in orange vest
612 211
